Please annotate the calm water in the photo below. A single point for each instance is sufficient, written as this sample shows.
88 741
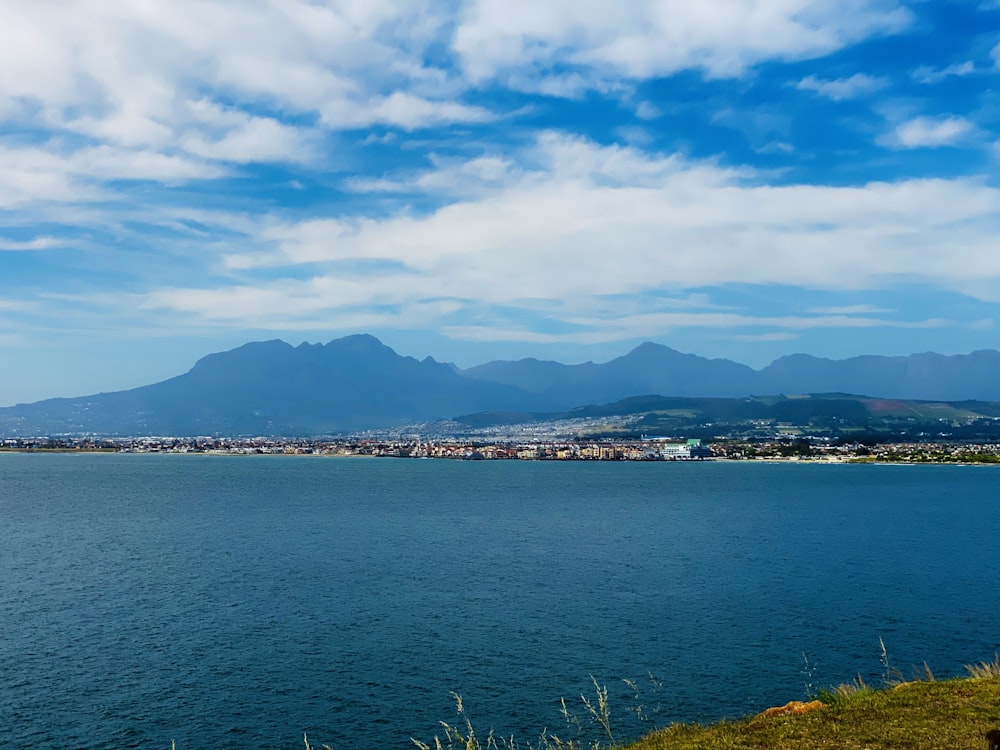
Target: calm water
238 602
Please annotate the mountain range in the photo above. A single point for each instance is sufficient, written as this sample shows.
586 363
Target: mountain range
356 383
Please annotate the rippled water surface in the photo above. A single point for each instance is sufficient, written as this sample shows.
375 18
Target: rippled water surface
239 602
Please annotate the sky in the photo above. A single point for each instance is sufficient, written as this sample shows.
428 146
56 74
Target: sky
492 179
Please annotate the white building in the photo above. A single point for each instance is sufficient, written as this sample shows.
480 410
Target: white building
691 450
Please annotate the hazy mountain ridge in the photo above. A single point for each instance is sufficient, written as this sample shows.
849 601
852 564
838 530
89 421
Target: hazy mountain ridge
649 368
272 388
356 382
925 376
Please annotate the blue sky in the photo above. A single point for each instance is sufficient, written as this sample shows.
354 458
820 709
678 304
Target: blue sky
482 179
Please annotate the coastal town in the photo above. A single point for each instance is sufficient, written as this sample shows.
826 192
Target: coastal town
644 449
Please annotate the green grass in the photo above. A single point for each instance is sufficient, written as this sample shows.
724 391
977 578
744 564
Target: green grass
923 714
947 715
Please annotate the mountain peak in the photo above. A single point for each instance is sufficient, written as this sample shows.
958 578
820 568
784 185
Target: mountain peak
651 346
249 352
358 339
267 387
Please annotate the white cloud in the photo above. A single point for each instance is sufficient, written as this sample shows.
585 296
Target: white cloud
139 75
134 54
851 310
451 177
776 147
189 91
646 111
639 39
930 132
162 90
659 321
11 305
586 223
995 54
402 110
234 136
765 337
839 89
37 243
52 175
926 74
616 328
109 163
306 304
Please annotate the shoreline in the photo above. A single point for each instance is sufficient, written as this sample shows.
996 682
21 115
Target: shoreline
771 460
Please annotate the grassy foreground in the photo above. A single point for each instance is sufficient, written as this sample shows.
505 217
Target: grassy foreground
946 715
954 714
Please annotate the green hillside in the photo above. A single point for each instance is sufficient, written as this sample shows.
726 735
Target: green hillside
833 415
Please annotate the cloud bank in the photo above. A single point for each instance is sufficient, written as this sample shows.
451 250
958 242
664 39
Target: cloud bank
544 171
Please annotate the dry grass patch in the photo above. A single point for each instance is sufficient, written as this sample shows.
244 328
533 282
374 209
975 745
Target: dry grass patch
985 669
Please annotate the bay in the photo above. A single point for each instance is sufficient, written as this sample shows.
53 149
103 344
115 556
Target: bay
239 602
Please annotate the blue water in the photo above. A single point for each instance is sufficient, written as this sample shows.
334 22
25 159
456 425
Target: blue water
239 602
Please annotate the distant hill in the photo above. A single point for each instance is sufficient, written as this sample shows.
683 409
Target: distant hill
835 415
272 388
925 376
356 383
653 368
649 368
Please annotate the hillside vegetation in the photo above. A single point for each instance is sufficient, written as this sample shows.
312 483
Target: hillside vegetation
836 416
